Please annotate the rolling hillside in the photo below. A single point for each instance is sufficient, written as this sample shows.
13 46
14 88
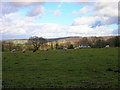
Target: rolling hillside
60 40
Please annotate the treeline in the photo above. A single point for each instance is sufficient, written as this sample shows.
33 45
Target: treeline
101 43
94 42
11 46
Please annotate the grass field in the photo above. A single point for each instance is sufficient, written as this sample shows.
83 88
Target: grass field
83 68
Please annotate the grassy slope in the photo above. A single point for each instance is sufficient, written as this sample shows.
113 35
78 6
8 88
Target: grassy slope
57 68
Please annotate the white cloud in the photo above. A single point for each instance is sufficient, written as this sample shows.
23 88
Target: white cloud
85 20
49 30
101 8
57 13
83 10
95 20
12 24
12 7
85 30
6 9
24 4
106 9
36 11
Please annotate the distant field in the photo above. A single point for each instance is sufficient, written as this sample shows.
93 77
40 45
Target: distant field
83 68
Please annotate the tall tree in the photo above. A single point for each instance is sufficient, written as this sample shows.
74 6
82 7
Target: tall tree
3 42
36 42
100 43
84 41
67 44
76 44
116 41
56 45
10 45
71 46
52 45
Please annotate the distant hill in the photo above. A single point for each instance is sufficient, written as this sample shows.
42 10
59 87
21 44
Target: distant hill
78 39
60 40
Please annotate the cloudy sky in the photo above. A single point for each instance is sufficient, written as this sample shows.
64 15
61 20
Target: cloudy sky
20 20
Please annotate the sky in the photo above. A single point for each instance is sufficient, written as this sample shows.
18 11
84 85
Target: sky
21 20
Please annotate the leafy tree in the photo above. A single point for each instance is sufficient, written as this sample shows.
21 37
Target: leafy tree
1 47
52 45
10 45
70 47
67 44
37 42
3 42
100 43
116 41
76 44
110 42
60 46
84 41
92 42
56 45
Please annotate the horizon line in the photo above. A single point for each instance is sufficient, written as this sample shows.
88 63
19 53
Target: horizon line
60 37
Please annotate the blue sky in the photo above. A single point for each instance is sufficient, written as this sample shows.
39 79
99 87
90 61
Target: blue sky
66 17
58 19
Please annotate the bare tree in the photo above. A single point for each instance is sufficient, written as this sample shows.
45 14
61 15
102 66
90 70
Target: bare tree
36 42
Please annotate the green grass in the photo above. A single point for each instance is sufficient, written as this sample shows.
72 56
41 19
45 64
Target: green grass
83 68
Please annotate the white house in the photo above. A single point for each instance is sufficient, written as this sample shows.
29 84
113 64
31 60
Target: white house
84 46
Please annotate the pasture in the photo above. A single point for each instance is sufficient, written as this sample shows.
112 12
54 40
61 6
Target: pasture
83 68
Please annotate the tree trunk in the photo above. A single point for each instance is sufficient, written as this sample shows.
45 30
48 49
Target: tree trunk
35 49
